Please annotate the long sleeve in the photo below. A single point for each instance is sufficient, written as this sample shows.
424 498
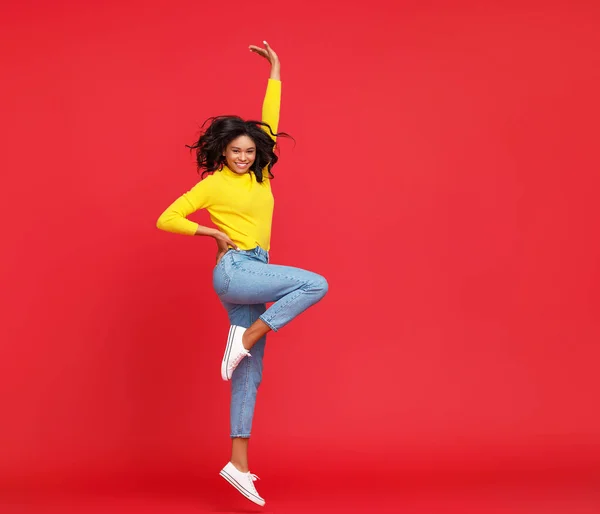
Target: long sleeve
174 219
271 105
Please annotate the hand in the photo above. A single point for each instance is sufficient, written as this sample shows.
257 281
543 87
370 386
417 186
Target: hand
223 244
222 248
268 53
220 254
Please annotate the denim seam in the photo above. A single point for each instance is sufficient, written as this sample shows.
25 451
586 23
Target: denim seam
248 366
295 279
226 280
244 436
236 264
243 406
284 305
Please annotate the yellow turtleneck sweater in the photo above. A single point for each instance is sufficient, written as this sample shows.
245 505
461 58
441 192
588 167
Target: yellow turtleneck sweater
237 204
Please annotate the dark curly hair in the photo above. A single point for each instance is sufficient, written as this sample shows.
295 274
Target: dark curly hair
224 129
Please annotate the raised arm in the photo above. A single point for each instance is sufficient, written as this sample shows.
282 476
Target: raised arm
272 101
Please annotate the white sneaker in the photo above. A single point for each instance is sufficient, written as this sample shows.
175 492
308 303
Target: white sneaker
234 352
243 482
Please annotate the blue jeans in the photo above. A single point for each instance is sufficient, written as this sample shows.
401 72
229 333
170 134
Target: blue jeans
245 282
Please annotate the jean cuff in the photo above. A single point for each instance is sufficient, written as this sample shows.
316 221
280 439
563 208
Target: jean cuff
268 323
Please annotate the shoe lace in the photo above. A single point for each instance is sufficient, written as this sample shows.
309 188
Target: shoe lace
253 478
238 358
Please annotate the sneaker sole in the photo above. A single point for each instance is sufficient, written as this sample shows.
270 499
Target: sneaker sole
241 489
227 353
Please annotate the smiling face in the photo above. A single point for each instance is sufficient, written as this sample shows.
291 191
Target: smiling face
240 154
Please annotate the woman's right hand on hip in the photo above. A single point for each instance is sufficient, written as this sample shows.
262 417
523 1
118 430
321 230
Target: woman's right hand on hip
223 241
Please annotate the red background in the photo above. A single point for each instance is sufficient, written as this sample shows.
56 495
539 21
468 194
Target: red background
444 180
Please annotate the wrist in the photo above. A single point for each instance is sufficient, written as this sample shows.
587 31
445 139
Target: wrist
206 231
275 72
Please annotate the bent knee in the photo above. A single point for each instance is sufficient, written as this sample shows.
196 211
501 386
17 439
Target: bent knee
321 286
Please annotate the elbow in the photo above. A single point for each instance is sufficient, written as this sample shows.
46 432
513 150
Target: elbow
161 223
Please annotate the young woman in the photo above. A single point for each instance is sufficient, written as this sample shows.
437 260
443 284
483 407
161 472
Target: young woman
240 155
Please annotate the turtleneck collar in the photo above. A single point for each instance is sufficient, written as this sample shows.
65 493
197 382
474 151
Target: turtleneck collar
235 175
